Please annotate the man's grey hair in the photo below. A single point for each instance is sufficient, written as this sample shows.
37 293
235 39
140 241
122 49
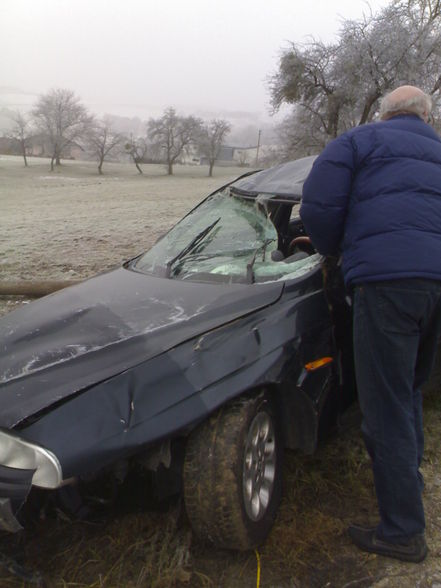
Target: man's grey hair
420 104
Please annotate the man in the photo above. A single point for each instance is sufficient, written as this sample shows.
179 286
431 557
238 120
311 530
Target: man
374 196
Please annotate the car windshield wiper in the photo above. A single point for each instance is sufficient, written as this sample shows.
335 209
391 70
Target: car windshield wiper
188 248
250 272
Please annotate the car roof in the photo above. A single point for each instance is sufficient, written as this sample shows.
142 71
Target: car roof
284 180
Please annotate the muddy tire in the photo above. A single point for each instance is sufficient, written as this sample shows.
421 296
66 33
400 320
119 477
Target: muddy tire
233 474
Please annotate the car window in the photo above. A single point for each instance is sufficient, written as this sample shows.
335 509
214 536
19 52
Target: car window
227 237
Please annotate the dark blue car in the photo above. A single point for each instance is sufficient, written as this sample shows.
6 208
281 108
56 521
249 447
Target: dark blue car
200 359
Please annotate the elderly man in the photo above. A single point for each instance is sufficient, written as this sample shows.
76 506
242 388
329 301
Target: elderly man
374 196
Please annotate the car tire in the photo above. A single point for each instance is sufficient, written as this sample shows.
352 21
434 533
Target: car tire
233 474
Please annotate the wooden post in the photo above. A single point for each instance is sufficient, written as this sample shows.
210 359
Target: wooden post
34 289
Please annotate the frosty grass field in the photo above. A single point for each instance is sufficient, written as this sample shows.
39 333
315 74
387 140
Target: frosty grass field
73 223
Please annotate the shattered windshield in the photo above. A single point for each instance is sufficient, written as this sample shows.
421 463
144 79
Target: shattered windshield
228 238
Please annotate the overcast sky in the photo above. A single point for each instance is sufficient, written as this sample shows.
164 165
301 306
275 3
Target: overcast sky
136 57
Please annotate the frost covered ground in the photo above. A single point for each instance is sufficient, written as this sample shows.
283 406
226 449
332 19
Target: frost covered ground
72 223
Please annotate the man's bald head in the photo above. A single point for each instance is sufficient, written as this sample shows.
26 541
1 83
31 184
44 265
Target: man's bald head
406 100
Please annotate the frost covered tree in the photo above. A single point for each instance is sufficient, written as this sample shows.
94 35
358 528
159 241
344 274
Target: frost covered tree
333 87
137 149
21 132
102 140
211 138
60 116
171 134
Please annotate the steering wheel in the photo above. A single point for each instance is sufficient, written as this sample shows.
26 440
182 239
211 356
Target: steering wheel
302 243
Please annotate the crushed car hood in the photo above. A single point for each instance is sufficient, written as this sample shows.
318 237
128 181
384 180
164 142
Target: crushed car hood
75 338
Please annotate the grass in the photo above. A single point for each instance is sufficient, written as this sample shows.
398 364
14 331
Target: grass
136 547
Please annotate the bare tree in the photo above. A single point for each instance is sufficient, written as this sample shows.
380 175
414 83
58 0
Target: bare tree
400 44
172 134
137 149
21 132
62 118
307 78
299 135
102 140
212 136
335 86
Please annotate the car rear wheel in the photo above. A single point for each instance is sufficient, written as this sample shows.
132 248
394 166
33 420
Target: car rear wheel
233 474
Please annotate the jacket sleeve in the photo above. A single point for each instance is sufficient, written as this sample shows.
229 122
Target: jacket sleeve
326 195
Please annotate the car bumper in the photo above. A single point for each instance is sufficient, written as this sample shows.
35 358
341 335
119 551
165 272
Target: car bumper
15 485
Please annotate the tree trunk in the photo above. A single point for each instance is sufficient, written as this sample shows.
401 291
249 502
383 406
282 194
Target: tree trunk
170 168
33 289
23 150
52 162
333 123
333 115
210 169
370 101
100 166
137 167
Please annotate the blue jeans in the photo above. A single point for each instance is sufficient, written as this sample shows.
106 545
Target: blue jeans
397 324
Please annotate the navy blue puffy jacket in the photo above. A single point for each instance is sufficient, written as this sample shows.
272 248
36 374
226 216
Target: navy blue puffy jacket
374 195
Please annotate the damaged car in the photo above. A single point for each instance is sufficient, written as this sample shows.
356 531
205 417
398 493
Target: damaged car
199 360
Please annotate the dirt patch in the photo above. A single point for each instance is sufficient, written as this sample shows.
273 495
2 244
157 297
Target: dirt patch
74 223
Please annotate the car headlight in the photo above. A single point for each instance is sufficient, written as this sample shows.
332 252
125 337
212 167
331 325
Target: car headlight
20 454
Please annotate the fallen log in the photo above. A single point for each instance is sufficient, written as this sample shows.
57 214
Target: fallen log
34 289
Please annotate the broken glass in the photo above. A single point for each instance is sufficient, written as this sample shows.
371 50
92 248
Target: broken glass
228 237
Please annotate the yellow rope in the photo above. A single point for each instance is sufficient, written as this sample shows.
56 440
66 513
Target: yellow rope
258 568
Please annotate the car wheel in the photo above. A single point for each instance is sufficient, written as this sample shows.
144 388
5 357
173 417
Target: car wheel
233 474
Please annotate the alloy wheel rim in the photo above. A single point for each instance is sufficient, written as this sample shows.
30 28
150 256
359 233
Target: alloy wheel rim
259 466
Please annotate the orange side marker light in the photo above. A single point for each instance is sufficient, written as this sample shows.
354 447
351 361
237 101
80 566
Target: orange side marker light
318 363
